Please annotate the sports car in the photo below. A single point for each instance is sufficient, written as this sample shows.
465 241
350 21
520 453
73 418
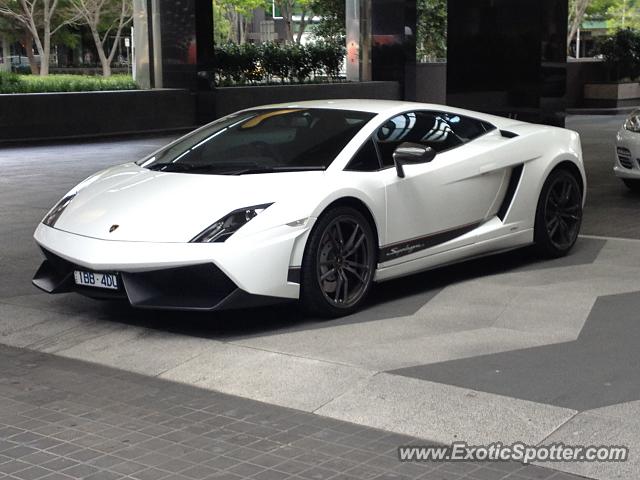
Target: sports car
627 165
313 201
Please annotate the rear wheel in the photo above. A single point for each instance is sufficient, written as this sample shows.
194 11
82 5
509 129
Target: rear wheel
559 214
338 264
633 185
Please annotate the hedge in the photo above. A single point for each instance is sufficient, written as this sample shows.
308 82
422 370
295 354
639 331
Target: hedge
251 64
14 83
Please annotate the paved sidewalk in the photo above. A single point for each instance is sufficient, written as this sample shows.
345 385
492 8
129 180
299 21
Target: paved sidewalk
63 419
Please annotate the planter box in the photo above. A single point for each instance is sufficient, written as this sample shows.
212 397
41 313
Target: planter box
225 100
44 116
41 116
611 95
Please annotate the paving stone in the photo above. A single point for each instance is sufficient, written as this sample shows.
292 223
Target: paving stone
242 438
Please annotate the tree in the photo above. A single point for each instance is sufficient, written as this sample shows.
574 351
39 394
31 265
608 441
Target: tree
332 19
288 8
238 14
222 26
577 10
623 14
431 31
41 20
103 17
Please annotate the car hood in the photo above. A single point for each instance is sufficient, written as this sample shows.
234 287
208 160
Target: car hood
151 206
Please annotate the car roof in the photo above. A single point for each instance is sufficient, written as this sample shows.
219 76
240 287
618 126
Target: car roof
391 107
362 105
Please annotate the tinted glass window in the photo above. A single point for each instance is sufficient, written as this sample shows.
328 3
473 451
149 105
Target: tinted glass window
366 160
262 141
438 130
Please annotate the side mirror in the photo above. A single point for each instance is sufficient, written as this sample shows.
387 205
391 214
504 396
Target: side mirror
409 153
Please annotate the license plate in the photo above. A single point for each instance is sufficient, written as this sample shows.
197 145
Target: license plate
95 279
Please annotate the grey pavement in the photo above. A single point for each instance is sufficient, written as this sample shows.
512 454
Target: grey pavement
507 348
66 419
612 210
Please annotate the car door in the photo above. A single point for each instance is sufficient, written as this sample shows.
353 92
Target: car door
439 204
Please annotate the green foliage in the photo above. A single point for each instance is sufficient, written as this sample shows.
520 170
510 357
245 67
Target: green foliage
332 22
14 83
222 25
273 62
617 13
431 34
621 52
9 82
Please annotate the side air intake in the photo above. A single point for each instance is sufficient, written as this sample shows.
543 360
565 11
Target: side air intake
508 134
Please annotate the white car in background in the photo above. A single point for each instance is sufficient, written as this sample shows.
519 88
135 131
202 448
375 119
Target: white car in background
627 166
313 201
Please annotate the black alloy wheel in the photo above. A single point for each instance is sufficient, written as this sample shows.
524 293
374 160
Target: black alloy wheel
339 263
559 214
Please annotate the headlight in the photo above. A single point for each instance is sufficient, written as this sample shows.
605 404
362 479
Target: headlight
229 224
53 215
633 122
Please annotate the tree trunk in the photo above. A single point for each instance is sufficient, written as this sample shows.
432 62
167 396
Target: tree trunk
303 25
581 8
104 61
28 46
44 49
287 16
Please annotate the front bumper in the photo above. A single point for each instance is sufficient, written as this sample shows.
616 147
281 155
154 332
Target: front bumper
627 152
174 275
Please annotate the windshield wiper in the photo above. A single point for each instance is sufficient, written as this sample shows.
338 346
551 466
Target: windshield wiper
178 167
226 169
250 171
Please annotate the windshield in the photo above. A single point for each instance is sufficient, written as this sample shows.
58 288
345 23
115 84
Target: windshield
257 141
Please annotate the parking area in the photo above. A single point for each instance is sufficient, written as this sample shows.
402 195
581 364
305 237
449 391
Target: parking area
506 348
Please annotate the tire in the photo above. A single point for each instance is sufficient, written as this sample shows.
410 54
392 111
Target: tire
558 214
633 185
338 263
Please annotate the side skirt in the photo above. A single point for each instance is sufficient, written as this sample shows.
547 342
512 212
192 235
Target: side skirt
493 246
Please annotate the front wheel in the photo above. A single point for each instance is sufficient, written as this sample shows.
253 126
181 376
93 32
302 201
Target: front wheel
559 214
338 263
633 185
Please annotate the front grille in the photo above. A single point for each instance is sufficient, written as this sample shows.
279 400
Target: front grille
624 157
200 287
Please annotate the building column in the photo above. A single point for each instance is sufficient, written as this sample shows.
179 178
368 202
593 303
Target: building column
358 19
393 49
173 43
508 57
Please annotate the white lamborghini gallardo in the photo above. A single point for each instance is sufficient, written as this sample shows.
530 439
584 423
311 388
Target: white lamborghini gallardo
313 201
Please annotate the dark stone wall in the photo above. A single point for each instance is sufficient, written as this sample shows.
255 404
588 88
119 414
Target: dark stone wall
431 83
580 73
90 114
45 116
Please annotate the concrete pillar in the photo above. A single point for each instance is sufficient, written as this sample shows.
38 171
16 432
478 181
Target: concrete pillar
173 43
5 66
358 25
147 48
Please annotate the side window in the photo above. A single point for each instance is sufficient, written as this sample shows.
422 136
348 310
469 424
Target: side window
438 130
366 160
431 129
467 128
